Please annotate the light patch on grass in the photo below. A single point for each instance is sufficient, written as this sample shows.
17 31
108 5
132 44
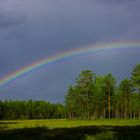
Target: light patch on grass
64 123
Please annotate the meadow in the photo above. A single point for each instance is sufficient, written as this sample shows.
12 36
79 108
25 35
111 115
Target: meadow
54 129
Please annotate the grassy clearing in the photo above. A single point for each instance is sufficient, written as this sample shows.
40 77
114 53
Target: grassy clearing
62 123
70 129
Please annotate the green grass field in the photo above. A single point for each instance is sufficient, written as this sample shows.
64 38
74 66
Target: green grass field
70 129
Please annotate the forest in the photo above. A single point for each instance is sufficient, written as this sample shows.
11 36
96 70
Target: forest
30 109
92 97
100 97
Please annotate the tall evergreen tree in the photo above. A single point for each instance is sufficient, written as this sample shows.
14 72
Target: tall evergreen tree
136 81
109 87
85 83
70 100
125 91
99 98
136 77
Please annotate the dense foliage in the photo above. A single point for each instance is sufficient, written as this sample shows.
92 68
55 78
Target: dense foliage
99 97
30 110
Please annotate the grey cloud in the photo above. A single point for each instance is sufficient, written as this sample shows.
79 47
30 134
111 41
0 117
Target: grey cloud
69 24
52 26
11 18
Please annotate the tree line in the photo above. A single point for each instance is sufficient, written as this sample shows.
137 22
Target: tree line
99 96
92 97
30 109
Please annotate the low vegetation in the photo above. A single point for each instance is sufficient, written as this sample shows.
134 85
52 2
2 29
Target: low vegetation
70 129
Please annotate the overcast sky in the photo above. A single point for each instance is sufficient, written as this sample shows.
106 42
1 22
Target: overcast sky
34 29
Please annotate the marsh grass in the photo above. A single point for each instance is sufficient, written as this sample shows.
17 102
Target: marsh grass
70 130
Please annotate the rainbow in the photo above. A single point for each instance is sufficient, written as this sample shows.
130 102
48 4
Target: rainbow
63 56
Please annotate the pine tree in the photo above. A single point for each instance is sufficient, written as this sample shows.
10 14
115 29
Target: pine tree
109 87
136 81
125 90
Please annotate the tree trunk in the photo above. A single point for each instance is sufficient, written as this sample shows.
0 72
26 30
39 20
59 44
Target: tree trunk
109 105
121 113
125 110
104 113
130 113
117 112
134 115
103 107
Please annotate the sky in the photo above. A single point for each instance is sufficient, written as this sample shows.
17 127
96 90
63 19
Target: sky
34 29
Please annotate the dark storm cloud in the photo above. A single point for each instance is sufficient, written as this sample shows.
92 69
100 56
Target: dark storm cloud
34 29
10 19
